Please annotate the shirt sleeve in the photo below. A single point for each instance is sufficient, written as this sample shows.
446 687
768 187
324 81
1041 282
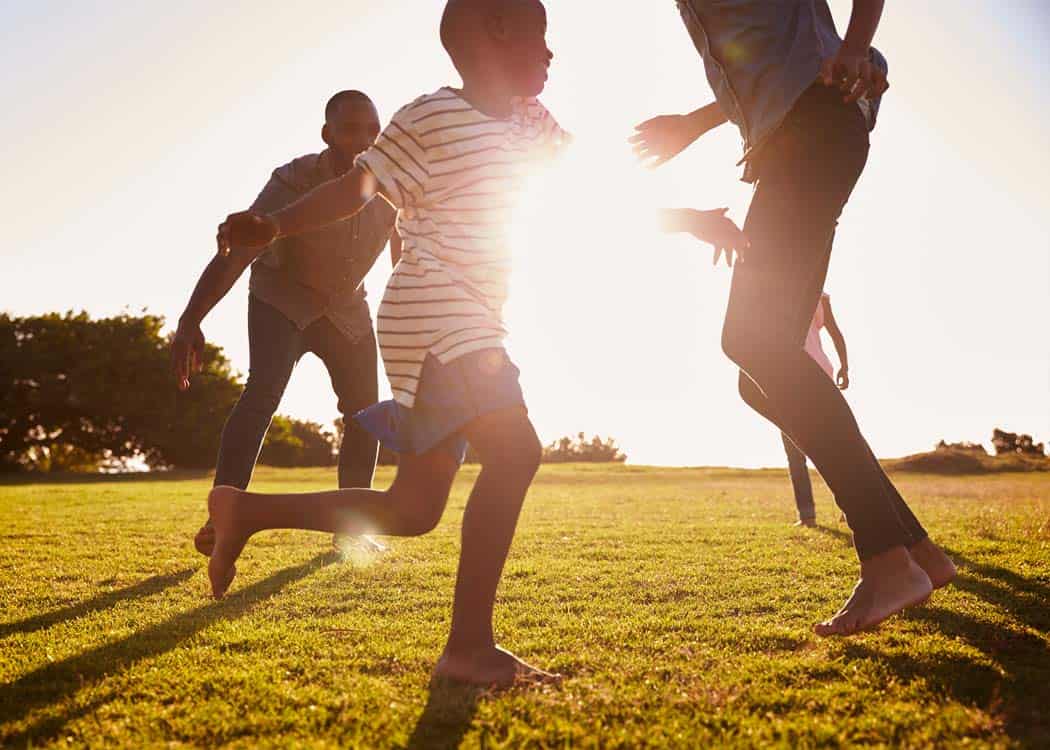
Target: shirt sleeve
398 161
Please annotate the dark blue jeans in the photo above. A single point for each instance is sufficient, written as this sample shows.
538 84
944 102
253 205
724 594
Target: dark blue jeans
275 346
799 470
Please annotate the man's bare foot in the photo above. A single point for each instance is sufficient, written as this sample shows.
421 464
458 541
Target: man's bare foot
931 558
204 541
809 523
889 583
490 667
230 538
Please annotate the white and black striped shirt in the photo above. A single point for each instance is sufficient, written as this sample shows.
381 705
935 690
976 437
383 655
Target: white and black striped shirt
454 174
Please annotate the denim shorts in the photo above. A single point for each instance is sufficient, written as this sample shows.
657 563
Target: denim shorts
450 396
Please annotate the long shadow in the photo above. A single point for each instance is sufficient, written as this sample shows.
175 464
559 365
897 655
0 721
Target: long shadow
843 536
1025 599
449 712
57 682
1015 695
145 588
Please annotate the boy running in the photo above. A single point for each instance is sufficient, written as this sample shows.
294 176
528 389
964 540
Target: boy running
451 163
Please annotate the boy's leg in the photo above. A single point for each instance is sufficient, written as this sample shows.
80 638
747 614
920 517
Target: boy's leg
510 456
808 175
274 346
351 366
800 483
411 507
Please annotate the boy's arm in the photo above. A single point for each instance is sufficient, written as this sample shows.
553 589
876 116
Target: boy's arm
666 136
329 202
839 341
851 68
713 227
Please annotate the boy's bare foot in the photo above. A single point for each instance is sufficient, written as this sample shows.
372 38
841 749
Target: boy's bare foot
931 558
889 583
809 523
230 538
490 667
204 541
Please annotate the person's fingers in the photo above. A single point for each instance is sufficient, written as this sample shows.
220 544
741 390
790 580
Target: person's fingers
648 123
865 83
637 138
223 239
879 82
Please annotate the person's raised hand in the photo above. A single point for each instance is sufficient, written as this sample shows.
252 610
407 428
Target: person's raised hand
854 74
662 138
187 353
247 229
843 378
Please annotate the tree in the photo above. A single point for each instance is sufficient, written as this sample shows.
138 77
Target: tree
292 442
1010 442
76 393
580 449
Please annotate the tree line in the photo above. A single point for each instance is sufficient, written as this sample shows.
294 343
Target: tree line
83 394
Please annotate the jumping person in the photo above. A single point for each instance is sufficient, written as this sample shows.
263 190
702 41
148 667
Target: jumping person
804 100
306 295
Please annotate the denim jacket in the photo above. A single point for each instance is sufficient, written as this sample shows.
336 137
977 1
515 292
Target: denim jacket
761 55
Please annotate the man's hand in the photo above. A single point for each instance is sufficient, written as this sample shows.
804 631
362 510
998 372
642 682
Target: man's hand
843 378
662 138
854 74
713 227
247 229
187 353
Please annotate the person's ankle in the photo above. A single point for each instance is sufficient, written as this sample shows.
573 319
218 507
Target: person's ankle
891 559
468 645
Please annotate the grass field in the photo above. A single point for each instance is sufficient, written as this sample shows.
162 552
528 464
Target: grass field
677 602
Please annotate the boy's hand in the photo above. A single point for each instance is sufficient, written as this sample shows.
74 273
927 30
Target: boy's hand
713 227
187 353
247 229
663 138
843 378
854 74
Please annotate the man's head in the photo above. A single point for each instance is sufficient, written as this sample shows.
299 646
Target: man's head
504 39
351 124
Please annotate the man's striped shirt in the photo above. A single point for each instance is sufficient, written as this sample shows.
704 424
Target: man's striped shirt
454 174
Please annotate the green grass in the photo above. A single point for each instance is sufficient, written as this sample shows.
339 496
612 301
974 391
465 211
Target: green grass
678 602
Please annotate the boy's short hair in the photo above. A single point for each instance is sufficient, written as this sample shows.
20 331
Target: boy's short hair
461 24
345 97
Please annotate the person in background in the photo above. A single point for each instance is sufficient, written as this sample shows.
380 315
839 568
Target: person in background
306 295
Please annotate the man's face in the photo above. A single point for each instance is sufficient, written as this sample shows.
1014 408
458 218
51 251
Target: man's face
525 47
352 128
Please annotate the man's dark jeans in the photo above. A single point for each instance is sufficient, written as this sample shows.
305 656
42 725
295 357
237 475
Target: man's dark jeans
800 482
275 346
805 176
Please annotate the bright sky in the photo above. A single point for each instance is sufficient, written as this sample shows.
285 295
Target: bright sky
131 129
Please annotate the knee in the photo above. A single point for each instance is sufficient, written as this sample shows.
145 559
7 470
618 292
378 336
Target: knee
519 462
417 505
421 520
260 397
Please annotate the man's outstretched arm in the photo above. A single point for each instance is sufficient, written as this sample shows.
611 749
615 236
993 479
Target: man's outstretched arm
328 203
187 346
663 138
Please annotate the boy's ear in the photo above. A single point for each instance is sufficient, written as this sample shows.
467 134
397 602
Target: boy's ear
325 135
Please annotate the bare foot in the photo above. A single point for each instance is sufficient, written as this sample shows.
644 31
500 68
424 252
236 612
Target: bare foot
230 538
931 558
204 541
809 523
491 667
889 583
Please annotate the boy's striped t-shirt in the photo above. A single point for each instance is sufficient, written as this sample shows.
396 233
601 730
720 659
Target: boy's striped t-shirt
454 175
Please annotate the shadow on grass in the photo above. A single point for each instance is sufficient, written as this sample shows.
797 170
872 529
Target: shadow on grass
61 680
1011 688
449 712
1025 599
835 533
150 586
